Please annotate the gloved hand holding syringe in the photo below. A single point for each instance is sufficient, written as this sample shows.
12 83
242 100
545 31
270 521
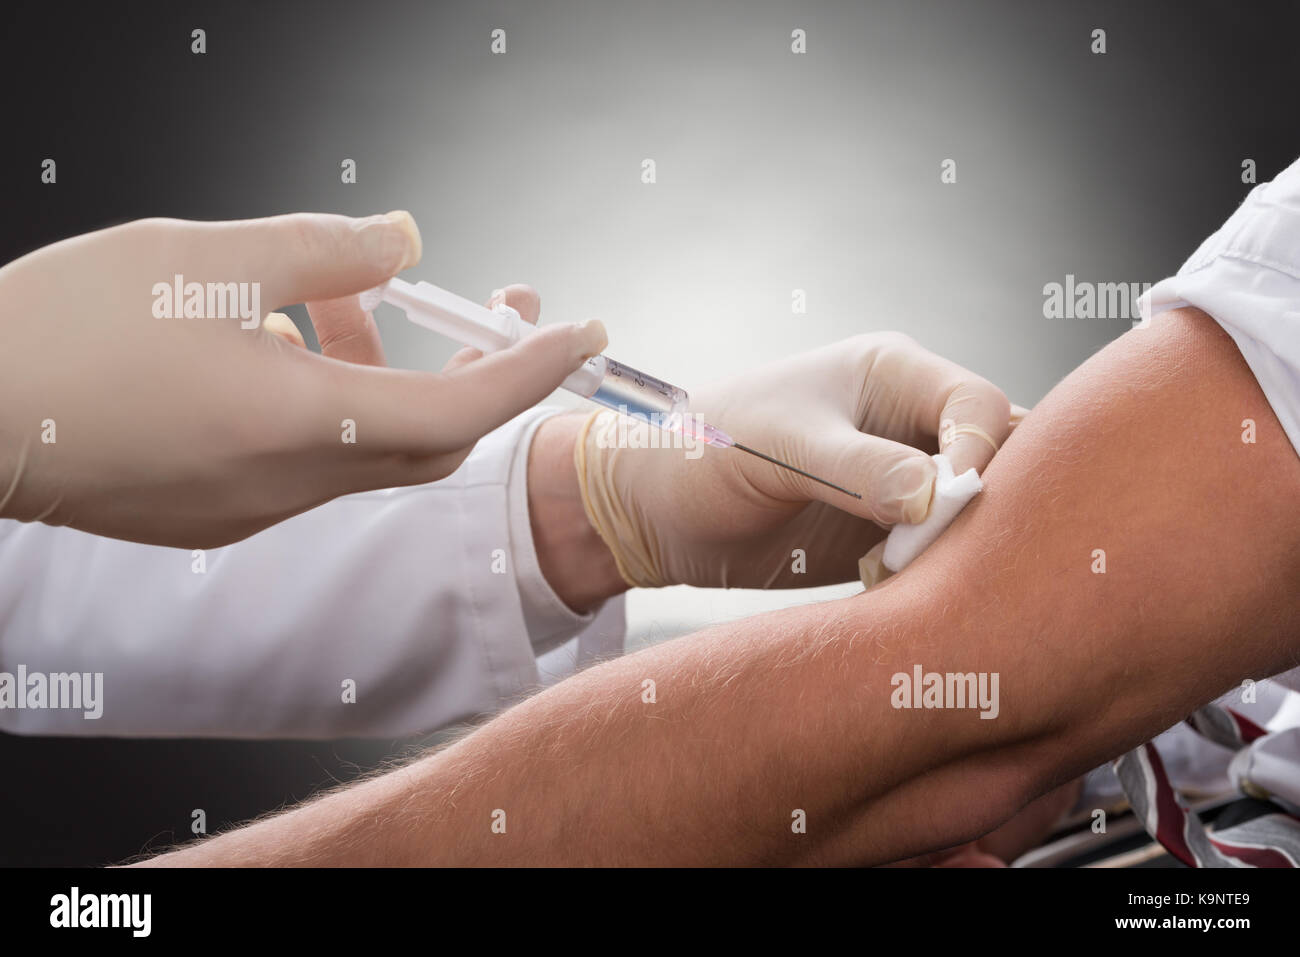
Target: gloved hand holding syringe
601 379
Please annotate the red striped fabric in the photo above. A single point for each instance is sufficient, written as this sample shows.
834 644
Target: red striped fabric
1270 840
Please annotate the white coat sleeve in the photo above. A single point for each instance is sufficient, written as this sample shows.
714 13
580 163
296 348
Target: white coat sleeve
376 615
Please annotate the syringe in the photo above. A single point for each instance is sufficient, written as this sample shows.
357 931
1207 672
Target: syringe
600 379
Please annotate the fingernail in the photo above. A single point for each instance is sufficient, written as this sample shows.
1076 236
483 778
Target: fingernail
916 504
496 297
392 248
871 566
415 245
281 325
592 338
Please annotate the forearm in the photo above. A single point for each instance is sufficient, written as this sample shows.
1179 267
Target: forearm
750 724
737 738
573 559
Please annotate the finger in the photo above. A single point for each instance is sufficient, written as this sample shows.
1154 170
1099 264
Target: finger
281 326
421 414
969 856
522 299
936 397
896 481
525 302
462 358
493 389
346 331
305 257
1018 413
973 424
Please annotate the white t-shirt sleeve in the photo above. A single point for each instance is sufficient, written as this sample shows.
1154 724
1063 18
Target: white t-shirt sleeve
1247 276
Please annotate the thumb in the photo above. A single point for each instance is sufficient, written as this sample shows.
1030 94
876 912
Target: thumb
896 481
278 324
494 389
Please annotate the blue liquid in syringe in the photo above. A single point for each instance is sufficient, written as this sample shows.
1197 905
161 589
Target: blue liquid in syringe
637 394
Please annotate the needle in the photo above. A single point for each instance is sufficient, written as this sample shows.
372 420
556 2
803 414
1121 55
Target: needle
768 458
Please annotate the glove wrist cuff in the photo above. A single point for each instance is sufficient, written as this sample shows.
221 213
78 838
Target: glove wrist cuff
595 455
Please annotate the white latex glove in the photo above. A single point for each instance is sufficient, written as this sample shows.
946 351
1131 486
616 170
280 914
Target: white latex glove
864 413
196 432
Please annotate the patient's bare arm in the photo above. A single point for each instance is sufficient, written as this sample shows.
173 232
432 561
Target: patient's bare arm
1138 454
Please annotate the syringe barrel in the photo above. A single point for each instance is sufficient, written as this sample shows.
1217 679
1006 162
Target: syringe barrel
600 378
633 392
455 317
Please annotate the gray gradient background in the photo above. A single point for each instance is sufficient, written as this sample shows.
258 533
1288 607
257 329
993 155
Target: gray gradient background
775 171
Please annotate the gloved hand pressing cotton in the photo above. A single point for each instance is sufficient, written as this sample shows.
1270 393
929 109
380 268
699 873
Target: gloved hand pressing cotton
864 413
905 542
141 398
